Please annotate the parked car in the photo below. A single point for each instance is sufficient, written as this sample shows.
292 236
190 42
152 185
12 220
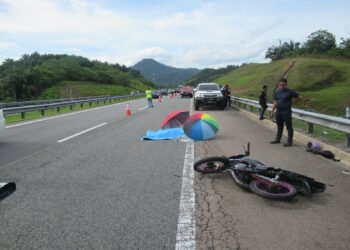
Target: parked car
186 91
2 121
163 92
134 92
155 94
208 94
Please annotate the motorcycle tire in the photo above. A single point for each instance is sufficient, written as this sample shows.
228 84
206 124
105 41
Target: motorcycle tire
282 190
211 165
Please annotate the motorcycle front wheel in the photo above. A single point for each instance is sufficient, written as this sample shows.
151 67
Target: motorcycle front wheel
278 191
211 165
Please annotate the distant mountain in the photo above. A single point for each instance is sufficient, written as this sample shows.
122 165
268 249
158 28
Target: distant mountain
163 75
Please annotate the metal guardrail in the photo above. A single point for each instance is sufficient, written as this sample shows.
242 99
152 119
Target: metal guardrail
38 102
51 105
311 118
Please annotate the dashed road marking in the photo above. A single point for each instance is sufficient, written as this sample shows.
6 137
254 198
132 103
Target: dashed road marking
82 132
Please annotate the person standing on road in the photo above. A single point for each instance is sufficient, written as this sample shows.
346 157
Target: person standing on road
149 98
282 104
226 92
263 102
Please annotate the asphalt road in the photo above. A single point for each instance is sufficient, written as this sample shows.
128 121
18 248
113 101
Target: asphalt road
104 189
228 217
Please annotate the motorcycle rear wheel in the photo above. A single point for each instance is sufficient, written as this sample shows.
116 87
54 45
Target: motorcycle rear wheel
211 165
281 190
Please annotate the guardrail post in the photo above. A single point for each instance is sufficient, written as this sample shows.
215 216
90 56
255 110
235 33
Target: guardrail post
42 112
104 101
251 108
71 107
90 103
23 115
58 109
310 128
98 103
110 100
348 140
81 105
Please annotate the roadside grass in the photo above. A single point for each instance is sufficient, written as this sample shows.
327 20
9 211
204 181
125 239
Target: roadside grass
52 112
67 89
323 83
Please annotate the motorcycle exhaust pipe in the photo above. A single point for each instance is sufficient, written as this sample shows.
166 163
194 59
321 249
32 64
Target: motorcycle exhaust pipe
237 179
6 189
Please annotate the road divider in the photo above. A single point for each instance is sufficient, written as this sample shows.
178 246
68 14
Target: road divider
143 108
82 132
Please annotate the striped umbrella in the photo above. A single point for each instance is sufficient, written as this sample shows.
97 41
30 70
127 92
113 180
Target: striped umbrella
200 127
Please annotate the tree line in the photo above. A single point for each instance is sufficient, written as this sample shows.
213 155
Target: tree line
320 42
27 77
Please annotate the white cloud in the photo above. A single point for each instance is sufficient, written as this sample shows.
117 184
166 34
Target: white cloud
214 34
45 16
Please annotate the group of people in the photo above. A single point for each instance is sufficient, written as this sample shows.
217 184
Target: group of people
281 109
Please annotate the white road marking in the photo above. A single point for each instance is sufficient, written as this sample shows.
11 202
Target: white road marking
186 224
143 108
69 114
82 132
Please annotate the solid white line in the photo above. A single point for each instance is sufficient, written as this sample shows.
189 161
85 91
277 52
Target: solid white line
186 224
143 108
59 116
82 132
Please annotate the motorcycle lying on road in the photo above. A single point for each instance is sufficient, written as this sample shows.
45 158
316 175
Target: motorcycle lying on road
268 182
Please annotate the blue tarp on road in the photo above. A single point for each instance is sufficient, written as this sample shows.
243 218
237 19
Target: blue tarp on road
165 134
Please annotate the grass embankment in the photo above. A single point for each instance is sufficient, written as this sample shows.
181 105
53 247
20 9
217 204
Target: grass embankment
68 89
323 83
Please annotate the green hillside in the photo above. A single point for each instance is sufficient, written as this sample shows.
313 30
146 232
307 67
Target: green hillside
324 83
54 76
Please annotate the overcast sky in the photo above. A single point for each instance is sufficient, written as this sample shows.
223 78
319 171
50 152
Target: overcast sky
180 33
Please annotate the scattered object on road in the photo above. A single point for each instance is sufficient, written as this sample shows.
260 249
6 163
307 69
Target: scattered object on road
317 149
164 134
128 110
200 127
175 119
346 172
6 189
268 182
325 132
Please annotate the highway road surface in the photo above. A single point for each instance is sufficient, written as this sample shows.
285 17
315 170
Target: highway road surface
85 180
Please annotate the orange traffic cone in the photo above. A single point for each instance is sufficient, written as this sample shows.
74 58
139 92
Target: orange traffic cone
128 110
159 99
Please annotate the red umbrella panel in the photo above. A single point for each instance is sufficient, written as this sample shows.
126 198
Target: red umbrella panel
175 119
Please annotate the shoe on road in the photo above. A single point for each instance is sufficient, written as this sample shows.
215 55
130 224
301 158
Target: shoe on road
274 142
287 144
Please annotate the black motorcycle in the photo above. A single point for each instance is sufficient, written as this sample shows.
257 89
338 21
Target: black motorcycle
265 181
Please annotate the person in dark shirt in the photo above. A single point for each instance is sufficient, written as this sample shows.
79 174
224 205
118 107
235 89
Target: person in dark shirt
263 102
282 104
226 92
